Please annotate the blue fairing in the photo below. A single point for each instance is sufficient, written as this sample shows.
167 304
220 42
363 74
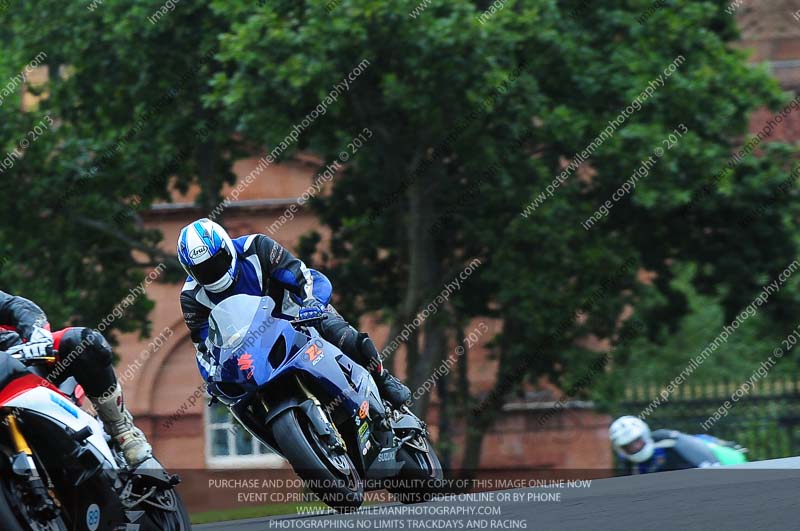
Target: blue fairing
248 363
264 332
707 438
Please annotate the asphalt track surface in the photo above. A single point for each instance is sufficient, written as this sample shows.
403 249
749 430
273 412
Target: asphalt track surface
762 495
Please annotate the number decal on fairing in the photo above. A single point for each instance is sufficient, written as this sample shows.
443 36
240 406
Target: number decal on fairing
313 352
363 411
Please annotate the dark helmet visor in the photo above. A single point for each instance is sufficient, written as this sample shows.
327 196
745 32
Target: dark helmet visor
211 270
633 446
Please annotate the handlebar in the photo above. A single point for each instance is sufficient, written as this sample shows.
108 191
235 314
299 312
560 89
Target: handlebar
300 322
14 352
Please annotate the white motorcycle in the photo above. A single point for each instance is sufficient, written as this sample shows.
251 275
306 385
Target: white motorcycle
59 470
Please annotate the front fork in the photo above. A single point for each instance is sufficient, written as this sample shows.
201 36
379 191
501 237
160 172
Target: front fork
323 422
24 467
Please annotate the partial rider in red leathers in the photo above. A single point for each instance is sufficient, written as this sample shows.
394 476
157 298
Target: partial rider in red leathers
82 353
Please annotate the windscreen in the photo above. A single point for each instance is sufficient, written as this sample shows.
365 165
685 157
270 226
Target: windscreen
231 319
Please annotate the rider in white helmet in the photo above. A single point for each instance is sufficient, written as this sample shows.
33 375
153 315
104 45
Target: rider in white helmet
660 450
631 439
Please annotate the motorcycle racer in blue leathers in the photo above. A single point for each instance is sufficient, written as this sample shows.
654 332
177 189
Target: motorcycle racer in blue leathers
219 267
661 450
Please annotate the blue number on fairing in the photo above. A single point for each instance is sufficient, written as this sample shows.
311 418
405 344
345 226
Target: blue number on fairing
64 405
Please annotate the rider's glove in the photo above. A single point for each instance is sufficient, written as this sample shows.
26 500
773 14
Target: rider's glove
39 345
205 359
312 309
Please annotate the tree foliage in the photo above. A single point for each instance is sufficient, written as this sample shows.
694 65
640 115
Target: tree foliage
129 124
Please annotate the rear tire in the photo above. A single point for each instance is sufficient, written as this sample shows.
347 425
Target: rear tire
314 463
421 478
168 520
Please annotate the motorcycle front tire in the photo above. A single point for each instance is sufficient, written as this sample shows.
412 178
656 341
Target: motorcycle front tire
312 462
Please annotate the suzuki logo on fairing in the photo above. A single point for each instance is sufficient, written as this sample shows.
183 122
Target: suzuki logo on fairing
385 456
246 364
313 351
198 251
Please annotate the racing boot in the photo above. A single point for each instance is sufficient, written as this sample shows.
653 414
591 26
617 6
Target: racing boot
390 387
118 423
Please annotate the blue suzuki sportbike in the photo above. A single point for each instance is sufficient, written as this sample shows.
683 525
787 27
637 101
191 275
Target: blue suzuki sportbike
302 396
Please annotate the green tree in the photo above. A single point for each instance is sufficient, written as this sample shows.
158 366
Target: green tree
433 91
129 124
659 360
669 219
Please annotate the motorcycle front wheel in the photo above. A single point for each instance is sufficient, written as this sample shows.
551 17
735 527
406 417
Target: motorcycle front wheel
328 473
15 515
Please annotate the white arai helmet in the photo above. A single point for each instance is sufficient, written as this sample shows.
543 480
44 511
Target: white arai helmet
207 254
631 439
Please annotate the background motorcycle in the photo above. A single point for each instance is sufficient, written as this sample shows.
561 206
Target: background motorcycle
726 452
302 396
59 470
